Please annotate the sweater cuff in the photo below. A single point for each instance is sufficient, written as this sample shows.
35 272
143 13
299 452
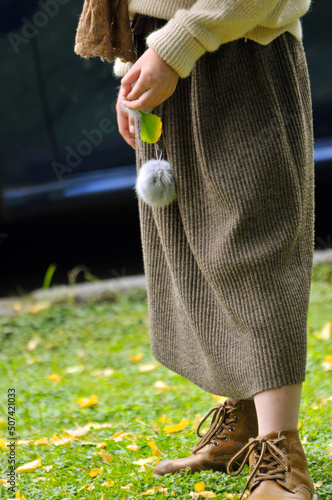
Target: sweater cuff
121 68
175 45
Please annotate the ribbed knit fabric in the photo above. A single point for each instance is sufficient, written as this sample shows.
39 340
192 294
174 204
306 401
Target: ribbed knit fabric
197 26
228 264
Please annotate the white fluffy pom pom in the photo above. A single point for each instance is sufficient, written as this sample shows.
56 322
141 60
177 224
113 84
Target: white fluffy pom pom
155 183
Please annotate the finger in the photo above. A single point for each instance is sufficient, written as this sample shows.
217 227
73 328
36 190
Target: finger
139 89
131 77
146 101
132 125
123 125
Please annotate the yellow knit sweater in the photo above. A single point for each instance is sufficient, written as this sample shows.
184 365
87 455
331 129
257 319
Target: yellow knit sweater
198 26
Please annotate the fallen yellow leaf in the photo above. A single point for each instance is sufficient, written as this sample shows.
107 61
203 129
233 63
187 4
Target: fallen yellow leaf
4 483
208 494
327 363
75 369
177 427
325 333
148 368
118 436
101 445
108 484
199 487
47 467
318 484
160 385
80 431
103 497
153 445
30 466
55 377
61 439
133 447
154 490
329 449
164 420
127 487
17 306
42 440
146 461
106 457
136 358
33 343
88 487
2 443
86 402
95 472
96 425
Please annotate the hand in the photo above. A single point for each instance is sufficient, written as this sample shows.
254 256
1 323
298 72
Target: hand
155 82
126 124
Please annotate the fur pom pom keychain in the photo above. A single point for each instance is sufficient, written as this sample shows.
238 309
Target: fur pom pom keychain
155 181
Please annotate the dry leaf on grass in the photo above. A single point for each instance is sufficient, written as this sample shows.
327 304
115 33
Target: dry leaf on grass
327 363
108 484
176 427
148 368
325 333
96 471
136 358
146 461
55 377
133 447
154 490
106 457
127 487
87 402
200 487
33 343
160 385
88 487
30 466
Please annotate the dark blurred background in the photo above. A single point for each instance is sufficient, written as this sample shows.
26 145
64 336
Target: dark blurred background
66 175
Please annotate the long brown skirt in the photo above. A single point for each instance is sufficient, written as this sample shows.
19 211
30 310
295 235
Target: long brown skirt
228 264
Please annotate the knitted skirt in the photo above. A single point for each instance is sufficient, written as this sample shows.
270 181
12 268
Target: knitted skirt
228 264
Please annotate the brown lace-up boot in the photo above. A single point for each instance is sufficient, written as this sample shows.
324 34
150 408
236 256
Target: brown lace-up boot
278 468
233 423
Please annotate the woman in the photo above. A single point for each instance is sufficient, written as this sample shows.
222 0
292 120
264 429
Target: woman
228 264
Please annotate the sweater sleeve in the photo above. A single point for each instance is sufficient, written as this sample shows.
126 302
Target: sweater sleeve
210 23
121 68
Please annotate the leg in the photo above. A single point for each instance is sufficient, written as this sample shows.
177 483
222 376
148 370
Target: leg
278 409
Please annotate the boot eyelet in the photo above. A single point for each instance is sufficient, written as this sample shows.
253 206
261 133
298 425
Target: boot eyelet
215 443
236 418
232 429
224 438
284 451
240 407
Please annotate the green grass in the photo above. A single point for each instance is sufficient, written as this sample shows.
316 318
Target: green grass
103 335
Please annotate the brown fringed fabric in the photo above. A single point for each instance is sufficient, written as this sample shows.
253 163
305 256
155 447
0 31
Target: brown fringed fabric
104 31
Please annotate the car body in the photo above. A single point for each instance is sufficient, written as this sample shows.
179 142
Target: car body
60 147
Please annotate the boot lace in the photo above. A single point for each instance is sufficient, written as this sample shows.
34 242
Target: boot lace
222 419
269 461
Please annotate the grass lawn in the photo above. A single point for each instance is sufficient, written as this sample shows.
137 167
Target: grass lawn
56 356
